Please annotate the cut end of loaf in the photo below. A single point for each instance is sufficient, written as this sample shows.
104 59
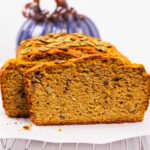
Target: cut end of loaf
12 88
89 90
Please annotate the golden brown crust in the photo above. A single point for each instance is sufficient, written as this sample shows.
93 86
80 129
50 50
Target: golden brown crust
86 58
65 46
84 123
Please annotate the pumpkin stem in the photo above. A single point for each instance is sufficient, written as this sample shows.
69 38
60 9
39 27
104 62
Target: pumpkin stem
62 3
37 2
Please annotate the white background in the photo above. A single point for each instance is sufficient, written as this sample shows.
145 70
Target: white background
125 23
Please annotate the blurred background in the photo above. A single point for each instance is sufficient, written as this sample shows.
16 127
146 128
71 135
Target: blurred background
124 23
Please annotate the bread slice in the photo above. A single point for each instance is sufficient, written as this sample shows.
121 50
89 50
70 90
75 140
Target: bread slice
92 89
12 87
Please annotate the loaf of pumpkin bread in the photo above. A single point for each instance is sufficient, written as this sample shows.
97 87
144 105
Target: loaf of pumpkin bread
96 88
57 48
51 49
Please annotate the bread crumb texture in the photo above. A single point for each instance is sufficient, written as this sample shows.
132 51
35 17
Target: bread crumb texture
89 90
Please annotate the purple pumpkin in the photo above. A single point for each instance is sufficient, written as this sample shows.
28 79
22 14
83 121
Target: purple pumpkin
63 19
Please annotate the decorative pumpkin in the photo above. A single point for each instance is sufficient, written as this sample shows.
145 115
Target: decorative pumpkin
63 19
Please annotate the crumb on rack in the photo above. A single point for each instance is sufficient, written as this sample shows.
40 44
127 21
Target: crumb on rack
30 125
27 127
59 130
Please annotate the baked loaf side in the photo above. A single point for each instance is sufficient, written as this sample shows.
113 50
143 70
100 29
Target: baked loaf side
91 89
65 46
12 87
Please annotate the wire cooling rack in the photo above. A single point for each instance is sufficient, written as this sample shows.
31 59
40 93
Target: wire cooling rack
17 144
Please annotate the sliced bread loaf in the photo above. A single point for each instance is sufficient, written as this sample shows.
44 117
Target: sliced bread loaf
92 89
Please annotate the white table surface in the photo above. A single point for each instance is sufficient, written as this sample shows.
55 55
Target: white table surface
129 144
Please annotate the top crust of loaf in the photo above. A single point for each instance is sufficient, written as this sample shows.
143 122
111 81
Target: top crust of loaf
66 45
104 58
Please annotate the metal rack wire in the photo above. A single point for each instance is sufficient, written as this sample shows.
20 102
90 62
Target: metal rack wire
10 144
